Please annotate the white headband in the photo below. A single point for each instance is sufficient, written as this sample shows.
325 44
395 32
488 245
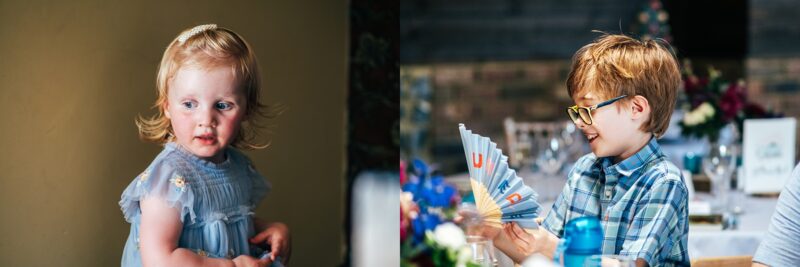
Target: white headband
194 31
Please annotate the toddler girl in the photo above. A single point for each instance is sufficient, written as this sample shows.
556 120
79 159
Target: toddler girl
193 206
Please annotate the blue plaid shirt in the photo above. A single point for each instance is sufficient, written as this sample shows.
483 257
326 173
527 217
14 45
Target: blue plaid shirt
641 202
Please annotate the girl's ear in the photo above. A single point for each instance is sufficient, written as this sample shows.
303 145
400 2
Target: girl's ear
640 108
166 110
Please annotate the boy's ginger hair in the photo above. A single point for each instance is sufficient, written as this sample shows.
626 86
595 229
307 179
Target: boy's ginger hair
614 65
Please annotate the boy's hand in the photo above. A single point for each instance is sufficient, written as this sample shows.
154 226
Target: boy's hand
535 241
474 225
276 236
247 261
489 232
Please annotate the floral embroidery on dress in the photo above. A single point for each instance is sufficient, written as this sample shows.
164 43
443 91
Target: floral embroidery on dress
179 182
143 178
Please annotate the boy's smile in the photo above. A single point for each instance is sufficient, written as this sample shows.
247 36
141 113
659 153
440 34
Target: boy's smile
613 132
590 136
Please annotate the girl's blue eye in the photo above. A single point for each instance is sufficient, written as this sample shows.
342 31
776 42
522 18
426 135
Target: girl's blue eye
189 104
223 106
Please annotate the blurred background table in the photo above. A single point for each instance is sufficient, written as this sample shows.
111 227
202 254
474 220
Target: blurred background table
752 227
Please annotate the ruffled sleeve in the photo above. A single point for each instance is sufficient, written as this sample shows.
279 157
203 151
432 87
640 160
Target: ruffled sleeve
163 181
260 185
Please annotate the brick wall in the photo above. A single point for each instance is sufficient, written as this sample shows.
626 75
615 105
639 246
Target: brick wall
496 30
481 95
775 83
773 29
773 61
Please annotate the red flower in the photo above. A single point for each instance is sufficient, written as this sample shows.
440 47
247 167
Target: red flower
403 227
754 110
732 101
692 84
728 101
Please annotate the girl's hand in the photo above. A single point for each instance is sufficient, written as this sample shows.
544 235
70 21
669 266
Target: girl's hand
247 261
276 235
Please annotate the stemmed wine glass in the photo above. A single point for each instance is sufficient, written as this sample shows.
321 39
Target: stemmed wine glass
552 156
719 165
482 251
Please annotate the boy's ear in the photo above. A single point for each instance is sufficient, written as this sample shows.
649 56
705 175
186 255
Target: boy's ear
640 107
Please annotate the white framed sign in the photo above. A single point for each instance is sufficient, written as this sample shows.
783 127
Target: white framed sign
768 156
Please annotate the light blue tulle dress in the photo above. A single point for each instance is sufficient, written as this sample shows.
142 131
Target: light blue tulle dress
216 201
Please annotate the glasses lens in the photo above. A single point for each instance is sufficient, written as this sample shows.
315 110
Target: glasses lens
572 114
585 116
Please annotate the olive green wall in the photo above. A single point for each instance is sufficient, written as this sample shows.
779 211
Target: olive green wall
74 76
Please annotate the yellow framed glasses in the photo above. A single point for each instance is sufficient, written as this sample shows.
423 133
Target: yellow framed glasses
585 113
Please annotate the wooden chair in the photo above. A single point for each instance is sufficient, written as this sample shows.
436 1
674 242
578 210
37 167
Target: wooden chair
519 139
729 261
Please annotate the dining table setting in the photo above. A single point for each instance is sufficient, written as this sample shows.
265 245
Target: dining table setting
730 234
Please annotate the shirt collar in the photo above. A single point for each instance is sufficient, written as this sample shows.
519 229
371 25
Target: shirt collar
633 163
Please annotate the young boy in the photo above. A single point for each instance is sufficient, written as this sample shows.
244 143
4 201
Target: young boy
624 90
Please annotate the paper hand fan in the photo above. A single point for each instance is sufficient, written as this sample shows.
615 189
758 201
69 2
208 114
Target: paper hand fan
500 195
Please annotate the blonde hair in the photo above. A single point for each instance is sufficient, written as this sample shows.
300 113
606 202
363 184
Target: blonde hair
614 65
208 46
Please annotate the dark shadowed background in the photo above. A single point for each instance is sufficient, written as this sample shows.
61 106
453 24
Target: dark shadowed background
73 76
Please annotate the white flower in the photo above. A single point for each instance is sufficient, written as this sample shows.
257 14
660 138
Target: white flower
449 236
464 256
706 109
700 118
688 121
699 115
180 183
713 73
692 118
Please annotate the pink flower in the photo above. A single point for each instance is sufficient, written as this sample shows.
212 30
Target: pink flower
408 211
402 172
